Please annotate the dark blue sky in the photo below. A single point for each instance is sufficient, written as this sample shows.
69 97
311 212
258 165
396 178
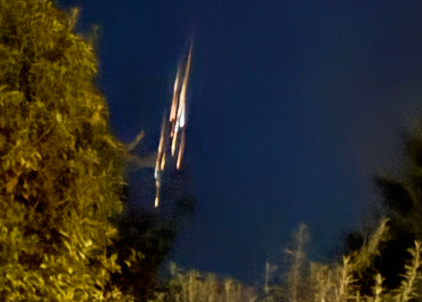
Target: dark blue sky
293 104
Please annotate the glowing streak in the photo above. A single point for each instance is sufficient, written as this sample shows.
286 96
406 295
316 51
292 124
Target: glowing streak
181 110
181 150
157 194
159 166
173 144
181 114
186 75
160 148
156 168
175 100
163 162
162 137
182 99
170 137
182 119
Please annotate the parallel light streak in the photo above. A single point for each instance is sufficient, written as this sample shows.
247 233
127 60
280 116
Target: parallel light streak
170 137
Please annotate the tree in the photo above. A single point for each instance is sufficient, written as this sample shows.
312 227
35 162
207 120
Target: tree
401 197
61 169
153 233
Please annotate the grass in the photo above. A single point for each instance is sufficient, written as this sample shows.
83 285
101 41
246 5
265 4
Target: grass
193 286
305 281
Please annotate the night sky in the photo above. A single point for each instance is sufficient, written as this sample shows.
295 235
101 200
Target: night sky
293 104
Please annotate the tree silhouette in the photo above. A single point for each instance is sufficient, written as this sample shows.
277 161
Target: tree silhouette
153 232
401 197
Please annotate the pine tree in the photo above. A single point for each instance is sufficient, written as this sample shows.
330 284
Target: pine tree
61 169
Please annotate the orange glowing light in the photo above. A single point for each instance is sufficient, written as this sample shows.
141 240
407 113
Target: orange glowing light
169 137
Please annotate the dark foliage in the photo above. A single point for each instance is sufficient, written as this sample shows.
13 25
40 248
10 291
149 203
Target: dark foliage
395 196
149 232
402 201
354 242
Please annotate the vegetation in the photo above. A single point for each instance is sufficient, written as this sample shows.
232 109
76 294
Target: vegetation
384 266
61 169
193 286
63 236
402 200
306 281
152 234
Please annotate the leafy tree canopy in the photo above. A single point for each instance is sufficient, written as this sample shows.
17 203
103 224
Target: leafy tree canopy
61 169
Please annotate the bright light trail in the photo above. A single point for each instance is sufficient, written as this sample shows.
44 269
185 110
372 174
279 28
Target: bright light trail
170 137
